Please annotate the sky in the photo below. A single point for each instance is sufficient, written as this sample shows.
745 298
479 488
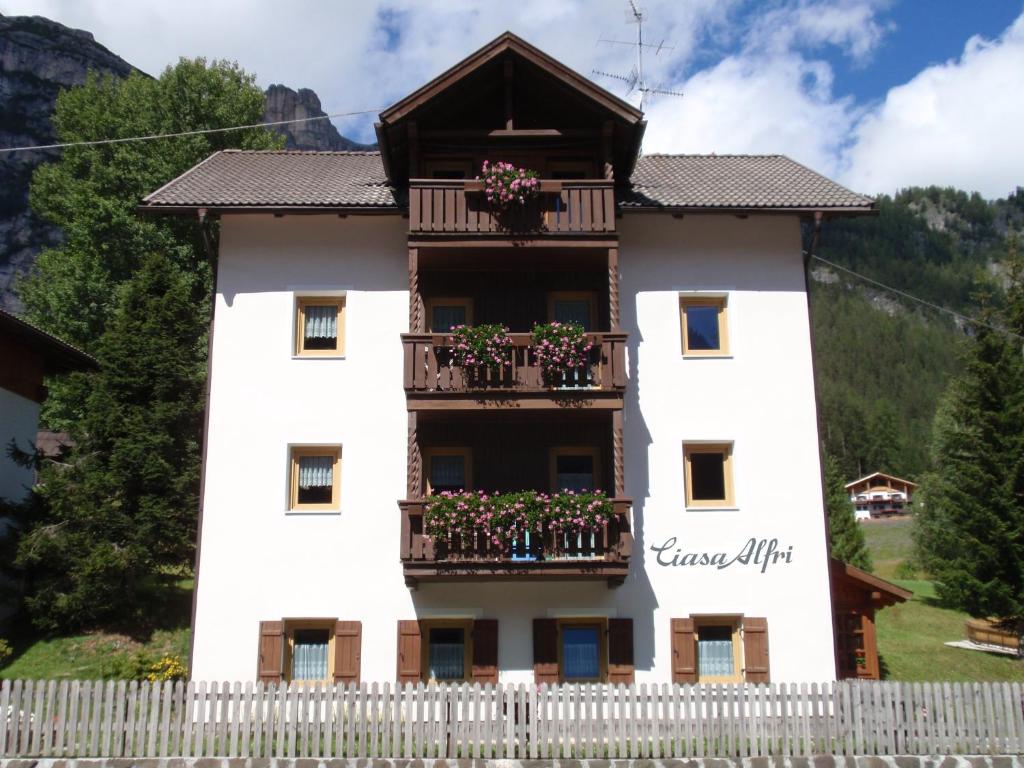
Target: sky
877 94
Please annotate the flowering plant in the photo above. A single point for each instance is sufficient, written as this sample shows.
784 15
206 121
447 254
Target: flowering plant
560 347
487 344
503 517
505 185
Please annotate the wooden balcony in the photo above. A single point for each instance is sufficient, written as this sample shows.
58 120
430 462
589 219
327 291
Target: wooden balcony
583 207
601 554
433 380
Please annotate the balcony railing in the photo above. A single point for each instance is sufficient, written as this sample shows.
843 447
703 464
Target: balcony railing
585 206
602 553
430 368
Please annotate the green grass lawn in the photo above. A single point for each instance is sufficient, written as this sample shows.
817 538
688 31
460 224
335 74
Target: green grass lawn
911 635
104 653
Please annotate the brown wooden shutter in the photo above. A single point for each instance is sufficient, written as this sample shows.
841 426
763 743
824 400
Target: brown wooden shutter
348 644
545 651
684 651
620 651
755 650
270 660
485 651
410 643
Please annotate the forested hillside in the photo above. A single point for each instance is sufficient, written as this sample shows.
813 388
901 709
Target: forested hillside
884 361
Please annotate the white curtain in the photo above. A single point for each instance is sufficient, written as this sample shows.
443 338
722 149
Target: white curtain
316 471
321 322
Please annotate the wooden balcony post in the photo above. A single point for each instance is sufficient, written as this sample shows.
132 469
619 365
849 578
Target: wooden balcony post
417 319
607 134
613 290
415 461
618 460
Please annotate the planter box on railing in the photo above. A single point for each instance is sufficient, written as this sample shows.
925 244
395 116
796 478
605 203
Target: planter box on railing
562 208
600 553
430 369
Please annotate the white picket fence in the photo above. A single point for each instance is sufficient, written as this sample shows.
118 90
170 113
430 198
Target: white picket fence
132 719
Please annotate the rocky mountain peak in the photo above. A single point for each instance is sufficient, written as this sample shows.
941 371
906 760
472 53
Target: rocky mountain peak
284 103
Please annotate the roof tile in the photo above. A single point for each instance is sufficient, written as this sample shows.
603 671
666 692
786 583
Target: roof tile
283 179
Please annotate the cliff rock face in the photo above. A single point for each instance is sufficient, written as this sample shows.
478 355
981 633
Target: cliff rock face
285 104
38 58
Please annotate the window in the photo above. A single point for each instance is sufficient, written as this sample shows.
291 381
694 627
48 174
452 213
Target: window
448 469
320 326
718 650
448 169
578 307
447 649
445 314
567 170
704 323
708 474
574 469
582 657
315 478
309 650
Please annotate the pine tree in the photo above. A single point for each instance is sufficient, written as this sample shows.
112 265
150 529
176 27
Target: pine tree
107 525
970 531
122 511
845 534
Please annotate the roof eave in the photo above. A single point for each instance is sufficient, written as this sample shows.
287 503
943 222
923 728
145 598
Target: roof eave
213 209
748 210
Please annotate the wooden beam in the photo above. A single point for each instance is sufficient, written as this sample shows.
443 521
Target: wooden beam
618 455
607 135
414 149
417 320
415 460
613 290
509 93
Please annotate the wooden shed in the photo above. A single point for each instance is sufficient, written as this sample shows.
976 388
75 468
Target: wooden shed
856 596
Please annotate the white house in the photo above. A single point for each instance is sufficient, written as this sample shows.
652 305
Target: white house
338 413
880 495
27 355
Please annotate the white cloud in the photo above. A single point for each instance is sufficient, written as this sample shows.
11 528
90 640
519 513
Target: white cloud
765 105
765 89
960 123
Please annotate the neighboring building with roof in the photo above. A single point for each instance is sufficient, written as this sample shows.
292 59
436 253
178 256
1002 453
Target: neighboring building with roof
339 413
880 495
27 355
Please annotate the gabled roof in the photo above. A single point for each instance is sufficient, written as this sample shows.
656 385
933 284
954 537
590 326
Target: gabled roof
509 42
58 356
733 181
882 592
881 474
237 180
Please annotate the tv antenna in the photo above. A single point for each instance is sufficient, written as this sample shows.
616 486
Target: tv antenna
635 80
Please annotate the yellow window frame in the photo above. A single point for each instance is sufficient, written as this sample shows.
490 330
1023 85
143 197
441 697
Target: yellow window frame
296 453
723 324
428 456
301 302
727 473
736 622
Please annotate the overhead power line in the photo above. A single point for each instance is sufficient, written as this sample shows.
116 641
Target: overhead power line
179 134
926 303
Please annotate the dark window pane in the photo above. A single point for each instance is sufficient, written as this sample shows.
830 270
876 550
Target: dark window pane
574 473
444 318
580 653
567 175
702 328
707 476
447 655
321 327
449 173
573 311
447 473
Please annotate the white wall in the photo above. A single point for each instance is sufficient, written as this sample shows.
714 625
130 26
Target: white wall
260 563
19 419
